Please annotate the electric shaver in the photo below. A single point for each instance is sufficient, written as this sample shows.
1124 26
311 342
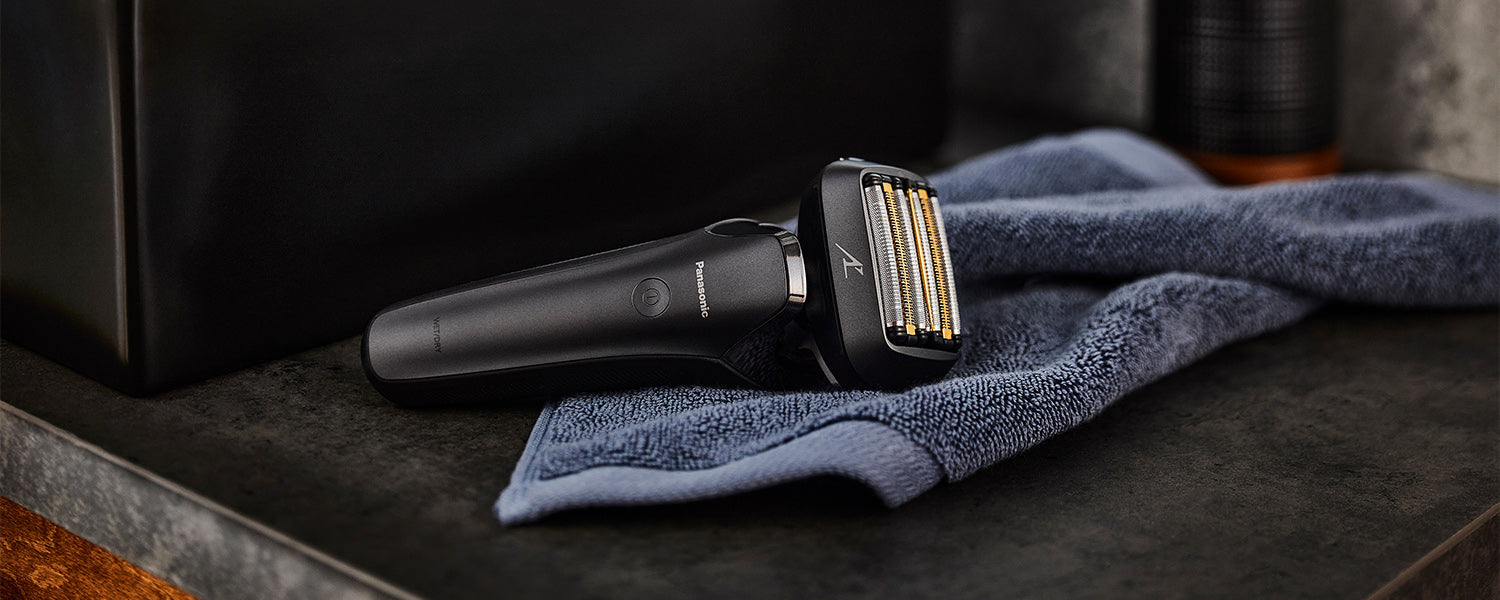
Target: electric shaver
865 287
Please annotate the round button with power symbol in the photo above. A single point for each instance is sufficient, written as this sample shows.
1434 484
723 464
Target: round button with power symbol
651 297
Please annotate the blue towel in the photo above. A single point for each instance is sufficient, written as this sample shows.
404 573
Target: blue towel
1087 266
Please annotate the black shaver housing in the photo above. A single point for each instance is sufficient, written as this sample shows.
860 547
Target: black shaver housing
867 279
706 307
844 310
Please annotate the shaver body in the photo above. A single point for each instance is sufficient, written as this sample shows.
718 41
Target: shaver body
719 306
702 307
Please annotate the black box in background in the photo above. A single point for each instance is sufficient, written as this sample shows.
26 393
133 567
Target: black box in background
191 187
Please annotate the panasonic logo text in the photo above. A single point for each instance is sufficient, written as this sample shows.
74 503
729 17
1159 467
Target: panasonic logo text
702 295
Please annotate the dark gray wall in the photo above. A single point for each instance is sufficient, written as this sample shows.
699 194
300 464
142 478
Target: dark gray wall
1421 78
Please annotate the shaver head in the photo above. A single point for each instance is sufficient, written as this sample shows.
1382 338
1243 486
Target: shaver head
882 307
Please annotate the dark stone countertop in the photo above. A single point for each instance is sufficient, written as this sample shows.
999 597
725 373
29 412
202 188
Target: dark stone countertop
1317 461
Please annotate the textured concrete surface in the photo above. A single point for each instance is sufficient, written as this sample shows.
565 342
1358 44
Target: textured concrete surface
187 540
1319 461
1422 85
1420 78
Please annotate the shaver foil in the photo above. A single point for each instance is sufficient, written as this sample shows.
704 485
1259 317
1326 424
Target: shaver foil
914 273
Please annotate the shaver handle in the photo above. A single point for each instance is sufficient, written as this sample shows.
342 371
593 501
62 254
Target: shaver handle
657 313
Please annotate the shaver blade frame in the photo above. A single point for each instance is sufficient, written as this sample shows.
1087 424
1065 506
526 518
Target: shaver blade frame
845 312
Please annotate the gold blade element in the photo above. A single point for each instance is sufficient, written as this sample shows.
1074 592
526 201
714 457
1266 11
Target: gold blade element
949 301
916 259
938 249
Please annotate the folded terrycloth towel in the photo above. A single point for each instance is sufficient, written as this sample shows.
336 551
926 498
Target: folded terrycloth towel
1088 266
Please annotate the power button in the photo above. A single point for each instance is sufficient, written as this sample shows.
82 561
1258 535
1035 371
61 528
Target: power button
651 297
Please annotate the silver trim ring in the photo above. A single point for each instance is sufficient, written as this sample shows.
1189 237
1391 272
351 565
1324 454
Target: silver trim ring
796 271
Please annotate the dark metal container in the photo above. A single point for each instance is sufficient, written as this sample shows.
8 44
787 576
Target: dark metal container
1248 88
